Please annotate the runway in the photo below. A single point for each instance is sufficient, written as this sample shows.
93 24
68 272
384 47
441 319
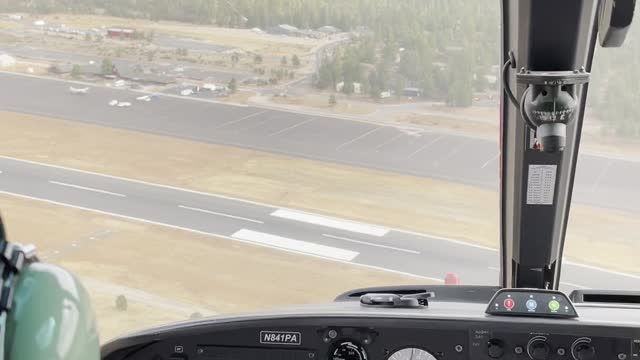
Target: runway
600 181
370 245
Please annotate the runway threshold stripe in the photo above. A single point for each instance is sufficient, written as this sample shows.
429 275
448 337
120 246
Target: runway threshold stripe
331 222
295 245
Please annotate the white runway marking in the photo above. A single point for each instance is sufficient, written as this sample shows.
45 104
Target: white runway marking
86 188
388 141
267 206
455 151
604 170
331 222
291 127
597 268
489 161
241 119
220 236
220 214
426 146
296 245
371 244
359 137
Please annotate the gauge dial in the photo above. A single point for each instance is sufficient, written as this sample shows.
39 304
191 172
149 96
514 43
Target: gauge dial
411 354
348 350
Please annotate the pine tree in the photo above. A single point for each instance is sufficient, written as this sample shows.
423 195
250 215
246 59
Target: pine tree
76 71
332 100
233 86
107 67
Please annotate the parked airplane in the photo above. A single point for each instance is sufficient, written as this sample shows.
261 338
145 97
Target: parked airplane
75 90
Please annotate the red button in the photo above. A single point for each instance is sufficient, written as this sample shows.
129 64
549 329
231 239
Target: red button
509 304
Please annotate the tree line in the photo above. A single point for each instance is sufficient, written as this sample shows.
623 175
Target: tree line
463 35
613 90
444 47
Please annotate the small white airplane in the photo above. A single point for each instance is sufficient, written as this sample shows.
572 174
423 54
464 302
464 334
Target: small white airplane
124 104
113 102
146 98
75 90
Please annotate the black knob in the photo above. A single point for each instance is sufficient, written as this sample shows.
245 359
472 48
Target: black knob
584 351
495 348
539 349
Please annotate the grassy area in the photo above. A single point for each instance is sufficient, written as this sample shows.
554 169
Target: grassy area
4 24
415 203
236 38
240 97
113 256
27 68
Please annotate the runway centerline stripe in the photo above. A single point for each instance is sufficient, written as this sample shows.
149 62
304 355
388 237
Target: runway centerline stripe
603 171
292 127
425 146
360 137
86 188
489 161
296 245
241 119
371 244
331 222
220 214
390 140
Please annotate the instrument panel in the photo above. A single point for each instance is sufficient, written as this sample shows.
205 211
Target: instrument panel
383 338
494 325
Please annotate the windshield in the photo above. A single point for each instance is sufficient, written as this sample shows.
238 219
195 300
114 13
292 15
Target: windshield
193 158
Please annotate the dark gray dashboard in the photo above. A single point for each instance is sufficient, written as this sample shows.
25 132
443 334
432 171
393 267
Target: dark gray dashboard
349 331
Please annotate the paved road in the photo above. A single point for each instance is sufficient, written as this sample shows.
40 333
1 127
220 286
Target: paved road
190 70
600 181
283 229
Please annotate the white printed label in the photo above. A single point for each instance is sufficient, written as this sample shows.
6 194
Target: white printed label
541 184
280 337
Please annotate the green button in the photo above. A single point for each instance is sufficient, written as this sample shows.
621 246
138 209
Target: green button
554 305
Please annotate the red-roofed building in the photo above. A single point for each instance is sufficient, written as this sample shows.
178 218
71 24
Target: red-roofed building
121 33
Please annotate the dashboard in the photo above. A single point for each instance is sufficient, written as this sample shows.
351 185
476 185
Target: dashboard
346 330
